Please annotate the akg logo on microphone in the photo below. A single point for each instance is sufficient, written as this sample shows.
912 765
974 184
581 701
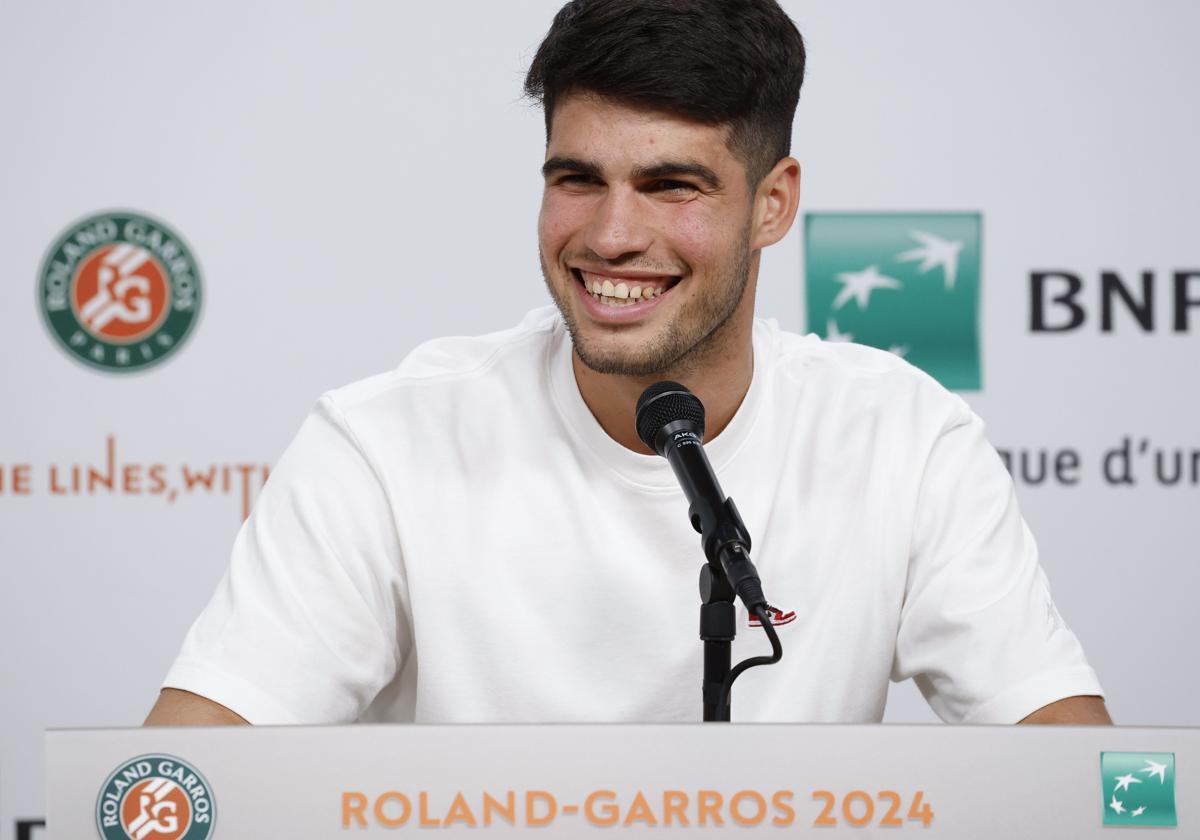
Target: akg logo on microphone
686 439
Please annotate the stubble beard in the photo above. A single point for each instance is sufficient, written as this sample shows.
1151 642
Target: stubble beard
699 331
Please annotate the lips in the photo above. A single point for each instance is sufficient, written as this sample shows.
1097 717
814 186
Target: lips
623 290
612 309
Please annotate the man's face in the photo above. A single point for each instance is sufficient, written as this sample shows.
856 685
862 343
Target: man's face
644 234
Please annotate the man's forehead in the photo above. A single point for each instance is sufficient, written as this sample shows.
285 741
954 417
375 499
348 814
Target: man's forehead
615 134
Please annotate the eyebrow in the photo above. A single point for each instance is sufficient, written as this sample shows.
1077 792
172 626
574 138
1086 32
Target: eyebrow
569 164
665 169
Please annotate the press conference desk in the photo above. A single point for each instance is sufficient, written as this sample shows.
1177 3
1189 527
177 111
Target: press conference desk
968 782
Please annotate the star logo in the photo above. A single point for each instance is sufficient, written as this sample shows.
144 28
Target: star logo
832 334
859 285
934 252
1146 784
874 278
1153 768
1123 782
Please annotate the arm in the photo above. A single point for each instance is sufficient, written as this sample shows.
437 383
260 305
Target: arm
979 631
310 620
182 708
1079 711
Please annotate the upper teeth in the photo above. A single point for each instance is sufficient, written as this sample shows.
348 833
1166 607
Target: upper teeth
605 288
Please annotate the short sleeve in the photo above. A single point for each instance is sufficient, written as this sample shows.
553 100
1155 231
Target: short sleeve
311 618
979 632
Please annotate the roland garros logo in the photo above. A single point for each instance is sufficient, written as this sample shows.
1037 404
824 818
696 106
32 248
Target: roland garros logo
119 291
156 797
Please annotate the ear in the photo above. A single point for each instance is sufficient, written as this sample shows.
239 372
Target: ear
775 203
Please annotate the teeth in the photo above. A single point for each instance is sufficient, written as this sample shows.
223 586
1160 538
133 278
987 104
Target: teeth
621 294
614 301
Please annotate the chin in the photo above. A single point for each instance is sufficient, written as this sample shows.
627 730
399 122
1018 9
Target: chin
639 355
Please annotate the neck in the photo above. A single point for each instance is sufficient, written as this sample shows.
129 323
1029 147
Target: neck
718 374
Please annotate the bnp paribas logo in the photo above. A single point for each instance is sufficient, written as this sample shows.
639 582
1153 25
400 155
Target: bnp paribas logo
903 282
1138 788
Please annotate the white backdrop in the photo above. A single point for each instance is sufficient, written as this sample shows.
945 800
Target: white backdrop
355 178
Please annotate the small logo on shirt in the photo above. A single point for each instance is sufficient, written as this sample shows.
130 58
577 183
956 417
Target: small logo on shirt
903 282
1138 788
156 797
119 291
778 617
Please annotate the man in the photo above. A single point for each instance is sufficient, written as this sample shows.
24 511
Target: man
480 535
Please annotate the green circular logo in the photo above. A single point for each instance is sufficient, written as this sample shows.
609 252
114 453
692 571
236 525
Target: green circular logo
156 797
120 291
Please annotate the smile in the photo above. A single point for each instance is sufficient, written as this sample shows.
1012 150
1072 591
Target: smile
622 291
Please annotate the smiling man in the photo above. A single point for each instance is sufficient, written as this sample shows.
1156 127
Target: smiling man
479 535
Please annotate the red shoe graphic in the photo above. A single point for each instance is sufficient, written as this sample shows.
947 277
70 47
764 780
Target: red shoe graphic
778 617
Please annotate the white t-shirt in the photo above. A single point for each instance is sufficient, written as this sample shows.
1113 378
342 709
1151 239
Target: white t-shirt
460 541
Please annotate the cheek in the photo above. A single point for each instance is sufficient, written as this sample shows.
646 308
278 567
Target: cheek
697 234
561 217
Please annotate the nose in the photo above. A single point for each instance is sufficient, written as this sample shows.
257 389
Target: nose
617 228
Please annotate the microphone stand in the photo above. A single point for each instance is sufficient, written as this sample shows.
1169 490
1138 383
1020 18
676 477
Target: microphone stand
718 626
727 545
670 421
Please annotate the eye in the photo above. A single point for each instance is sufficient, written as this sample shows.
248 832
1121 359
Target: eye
670 186
577 179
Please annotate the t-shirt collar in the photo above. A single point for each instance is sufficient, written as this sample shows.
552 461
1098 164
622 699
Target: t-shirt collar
651 472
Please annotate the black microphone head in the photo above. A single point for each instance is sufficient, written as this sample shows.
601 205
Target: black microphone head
663 403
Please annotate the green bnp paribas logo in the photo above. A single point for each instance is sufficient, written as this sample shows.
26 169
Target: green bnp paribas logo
1138 788
903 282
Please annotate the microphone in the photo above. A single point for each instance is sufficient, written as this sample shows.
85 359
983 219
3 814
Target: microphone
670 420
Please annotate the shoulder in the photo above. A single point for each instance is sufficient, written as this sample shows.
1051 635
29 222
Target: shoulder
850 379
447 368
